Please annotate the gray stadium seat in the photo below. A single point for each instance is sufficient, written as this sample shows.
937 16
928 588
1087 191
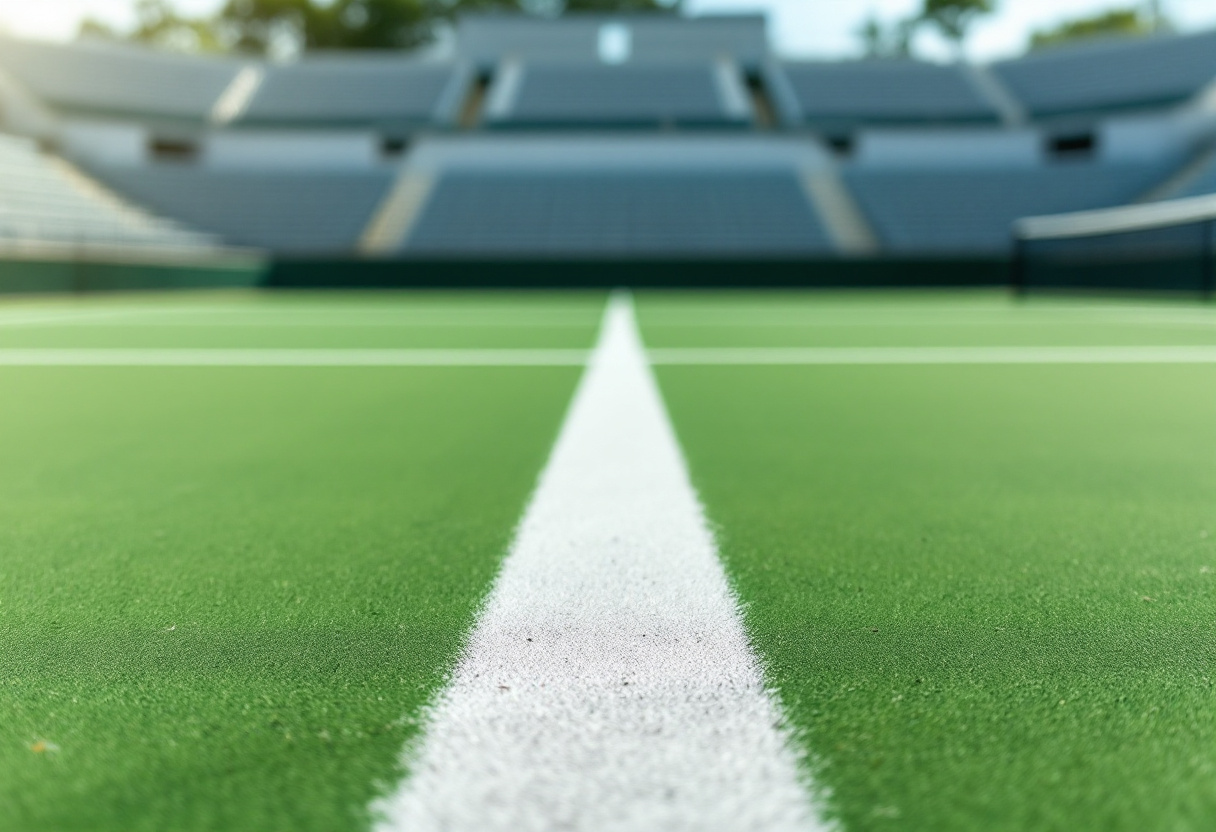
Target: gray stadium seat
1112 75
289 211
358 90
489 38
845 95
970 211
621 212
43 201
1203 183
558 94
101 78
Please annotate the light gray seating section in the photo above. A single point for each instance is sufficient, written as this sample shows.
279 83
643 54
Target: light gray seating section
288 211
359 90
632 94
487 39
1203 183
849 94
619 212
104 78
1112 75
971 210
43 203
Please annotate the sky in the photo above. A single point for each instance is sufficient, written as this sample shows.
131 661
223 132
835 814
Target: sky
800 28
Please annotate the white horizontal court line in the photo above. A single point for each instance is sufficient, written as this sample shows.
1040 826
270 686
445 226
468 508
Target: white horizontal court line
744 356
60 317
219 317
724 356
943 322
343 323
105 357
609 684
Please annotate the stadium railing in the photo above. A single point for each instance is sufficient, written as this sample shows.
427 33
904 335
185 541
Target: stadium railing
1164 246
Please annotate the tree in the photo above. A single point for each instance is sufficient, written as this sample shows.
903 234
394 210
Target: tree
263 26
159 24
952 18
886 41
257 25
1113 23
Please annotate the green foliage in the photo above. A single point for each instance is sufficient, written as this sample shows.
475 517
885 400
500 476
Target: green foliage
159 24
953 17
255 25
881 40
262 26
1113 23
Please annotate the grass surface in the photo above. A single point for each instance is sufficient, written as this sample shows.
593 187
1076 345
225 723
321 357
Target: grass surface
253 320
987 595
226 593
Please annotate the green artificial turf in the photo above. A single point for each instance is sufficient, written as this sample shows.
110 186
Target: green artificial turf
226 593
986 595
890 319
286 320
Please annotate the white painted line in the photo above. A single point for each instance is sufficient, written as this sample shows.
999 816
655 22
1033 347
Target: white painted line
53 318
609 684
748 356
725 356
944 321
221 318
292 358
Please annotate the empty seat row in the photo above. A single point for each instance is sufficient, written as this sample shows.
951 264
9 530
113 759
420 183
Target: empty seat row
619 212
643 94
639 87
844 95
101 78
290 211
971 211
379 91
1113 75
42 201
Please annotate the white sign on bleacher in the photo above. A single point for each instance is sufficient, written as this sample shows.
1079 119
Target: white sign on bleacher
615 43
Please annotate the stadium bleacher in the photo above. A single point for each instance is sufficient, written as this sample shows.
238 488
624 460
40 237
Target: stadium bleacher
285 211
711 213
377 91
43 202
640 94
489 39
319 156
1113 75
1201 181
97 78
971 210
846 95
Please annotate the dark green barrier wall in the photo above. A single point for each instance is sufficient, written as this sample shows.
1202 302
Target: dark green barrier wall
78 276
316 273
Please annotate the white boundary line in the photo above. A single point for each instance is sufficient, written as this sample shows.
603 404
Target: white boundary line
724 356
292 357
609 683
750 356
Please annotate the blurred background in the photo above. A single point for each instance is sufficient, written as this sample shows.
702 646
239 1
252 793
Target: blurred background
799 28
462 142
